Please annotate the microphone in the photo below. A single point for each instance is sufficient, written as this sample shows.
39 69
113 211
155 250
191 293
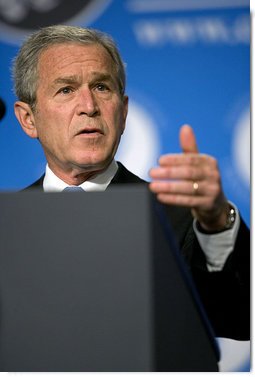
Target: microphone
2 109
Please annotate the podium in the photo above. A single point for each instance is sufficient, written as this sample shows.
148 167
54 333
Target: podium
94 282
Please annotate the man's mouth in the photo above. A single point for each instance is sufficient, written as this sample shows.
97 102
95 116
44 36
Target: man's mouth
90 131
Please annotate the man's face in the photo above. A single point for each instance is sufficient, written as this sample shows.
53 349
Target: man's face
80 114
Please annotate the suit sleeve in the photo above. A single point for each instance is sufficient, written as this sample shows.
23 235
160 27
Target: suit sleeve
226 294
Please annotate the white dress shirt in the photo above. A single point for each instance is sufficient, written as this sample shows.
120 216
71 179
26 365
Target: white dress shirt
98 182
216 247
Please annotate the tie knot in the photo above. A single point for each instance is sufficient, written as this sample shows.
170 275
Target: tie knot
73 189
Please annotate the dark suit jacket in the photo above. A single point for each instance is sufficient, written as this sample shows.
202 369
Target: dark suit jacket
225 294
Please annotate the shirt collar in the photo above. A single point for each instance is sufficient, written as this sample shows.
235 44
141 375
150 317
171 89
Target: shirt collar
98 182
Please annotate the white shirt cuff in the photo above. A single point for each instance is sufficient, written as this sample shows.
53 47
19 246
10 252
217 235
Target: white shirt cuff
217 247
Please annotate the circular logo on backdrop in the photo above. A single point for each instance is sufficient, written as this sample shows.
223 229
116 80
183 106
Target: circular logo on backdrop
241 147
139 148
19 17
236 166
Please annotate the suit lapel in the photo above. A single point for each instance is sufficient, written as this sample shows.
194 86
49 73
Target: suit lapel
125 176
38 185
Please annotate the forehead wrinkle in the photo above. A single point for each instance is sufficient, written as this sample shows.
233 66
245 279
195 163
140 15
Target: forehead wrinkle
99 56
104 76
74 79
70 79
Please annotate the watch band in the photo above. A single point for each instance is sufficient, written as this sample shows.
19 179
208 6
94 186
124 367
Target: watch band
230 221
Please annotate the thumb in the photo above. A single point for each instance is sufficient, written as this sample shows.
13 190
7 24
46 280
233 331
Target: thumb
188 139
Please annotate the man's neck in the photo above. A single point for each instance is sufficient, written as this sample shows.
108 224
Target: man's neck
76 176
97 181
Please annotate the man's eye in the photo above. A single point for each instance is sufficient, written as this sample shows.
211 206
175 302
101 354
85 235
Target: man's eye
101 87
65 90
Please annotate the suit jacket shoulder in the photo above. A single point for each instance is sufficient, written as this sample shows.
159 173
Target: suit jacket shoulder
179 217
37 185
123 175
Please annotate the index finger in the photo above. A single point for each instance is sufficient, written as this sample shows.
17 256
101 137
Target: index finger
184 159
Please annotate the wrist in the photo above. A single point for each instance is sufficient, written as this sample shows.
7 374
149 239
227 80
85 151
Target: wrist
225 221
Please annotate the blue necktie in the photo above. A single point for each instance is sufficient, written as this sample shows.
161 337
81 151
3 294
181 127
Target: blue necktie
73 189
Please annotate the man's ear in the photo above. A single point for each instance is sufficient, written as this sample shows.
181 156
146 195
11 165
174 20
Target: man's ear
25 116
125 111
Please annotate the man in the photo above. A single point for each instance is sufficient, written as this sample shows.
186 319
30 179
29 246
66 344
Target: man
70 83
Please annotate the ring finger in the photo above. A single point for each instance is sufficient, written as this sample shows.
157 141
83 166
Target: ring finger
190 188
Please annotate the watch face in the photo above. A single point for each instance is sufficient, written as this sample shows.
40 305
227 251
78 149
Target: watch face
19 18
231 218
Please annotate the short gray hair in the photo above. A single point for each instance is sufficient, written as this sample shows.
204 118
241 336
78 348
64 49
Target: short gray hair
25 72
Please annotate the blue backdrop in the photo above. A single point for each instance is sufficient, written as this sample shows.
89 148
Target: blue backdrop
186 61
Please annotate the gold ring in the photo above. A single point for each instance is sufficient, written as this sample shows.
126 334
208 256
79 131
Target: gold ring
195 188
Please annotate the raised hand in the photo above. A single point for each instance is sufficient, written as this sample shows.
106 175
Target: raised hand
191 179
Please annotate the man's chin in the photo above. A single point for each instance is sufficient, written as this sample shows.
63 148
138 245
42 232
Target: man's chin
95 164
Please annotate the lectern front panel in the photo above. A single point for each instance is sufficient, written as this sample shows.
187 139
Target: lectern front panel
86 283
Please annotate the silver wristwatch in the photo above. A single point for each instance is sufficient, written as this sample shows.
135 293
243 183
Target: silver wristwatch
231 217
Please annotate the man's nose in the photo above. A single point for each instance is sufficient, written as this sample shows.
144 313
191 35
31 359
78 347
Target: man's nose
87 103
